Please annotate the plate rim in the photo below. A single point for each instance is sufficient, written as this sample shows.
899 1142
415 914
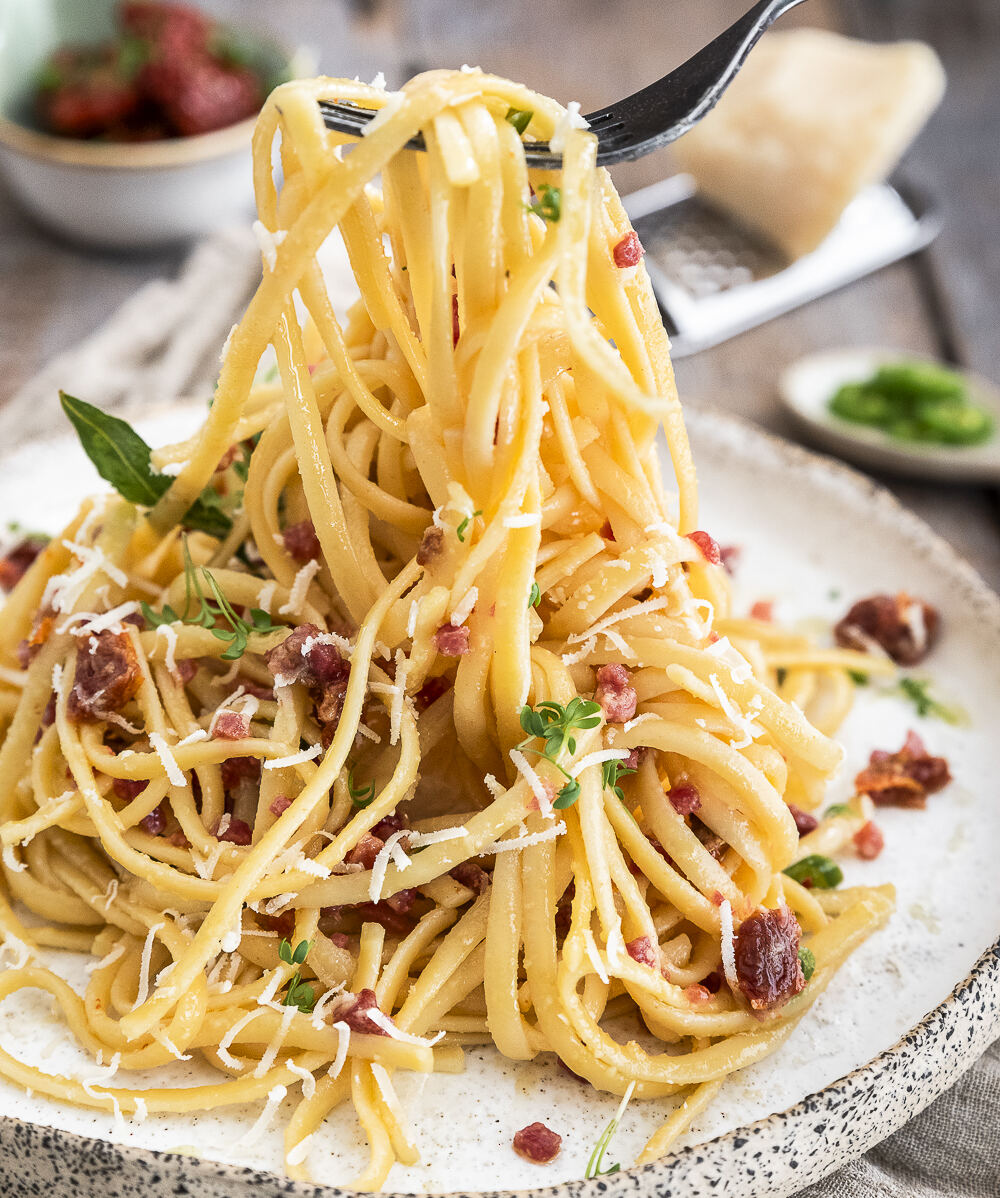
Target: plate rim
932 1052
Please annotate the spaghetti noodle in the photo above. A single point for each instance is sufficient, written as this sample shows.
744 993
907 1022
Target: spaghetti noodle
450 643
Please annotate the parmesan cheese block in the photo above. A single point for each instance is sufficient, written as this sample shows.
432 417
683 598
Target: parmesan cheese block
811 119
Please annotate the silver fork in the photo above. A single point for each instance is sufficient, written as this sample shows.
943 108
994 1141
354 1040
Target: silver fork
642 122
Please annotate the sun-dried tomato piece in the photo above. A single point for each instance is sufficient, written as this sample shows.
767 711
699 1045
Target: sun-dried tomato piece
767 958
107 676
804 822
904 778
905 628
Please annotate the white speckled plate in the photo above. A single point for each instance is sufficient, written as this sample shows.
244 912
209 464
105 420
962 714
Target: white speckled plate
909 1012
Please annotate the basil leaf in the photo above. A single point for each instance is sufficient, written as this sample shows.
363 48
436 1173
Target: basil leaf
816 872
120 455
520 118
807 959
122 458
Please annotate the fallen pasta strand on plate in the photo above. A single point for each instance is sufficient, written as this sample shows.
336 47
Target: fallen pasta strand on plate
401 709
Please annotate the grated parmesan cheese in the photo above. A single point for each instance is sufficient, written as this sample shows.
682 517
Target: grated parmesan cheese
728 947
275 1098
272 1050
522 520
227 1040
399 695
494 787
228 343
570 119
265 596
141 1111
268 243
411 621
280 763
598 758
170 636
533 780
144 963
595 957
192 738
572 659
463 608
744 723
298 1152
167 759
343 1042
319 1010
108 959
384 1021
637 609
381 863
308 1081
525 841
419 839
639 719
92 622
11 862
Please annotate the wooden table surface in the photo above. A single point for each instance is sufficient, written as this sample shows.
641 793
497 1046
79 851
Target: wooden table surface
943 301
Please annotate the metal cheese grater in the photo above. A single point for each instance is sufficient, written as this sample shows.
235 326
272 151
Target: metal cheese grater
714 279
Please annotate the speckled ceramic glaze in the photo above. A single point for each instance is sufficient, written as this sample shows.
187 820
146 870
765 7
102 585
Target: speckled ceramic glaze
748 480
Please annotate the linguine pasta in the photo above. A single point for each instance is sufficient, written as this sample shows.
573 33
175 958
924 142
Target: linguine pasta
447 736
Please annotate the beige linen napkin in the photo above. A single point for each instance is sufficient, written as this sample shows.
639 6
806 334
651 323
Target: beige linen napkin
165 343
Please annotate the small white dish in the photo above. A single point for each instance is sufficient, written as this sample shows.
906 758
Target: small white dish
114 195
807 385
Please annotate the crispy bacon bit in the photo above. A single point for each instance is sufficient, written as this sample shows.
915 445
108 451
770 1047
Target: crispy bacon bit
283 924
641 950
709 547
180 841
264 693
869 841
471 875
126 789
155 823
393 822
635 758
340 939
395 922
697 993
804 822
107 676
607 532
905 628
236 831
615 694
235 770
187 667
48 715
767 958
301 541
365 851
452 640
628 251
401 902
231 725
537 1143
730 557
431 691
714 845
905 778
684 798
321 668
280 804
17 561
431 545
712 982
763 609
353 1010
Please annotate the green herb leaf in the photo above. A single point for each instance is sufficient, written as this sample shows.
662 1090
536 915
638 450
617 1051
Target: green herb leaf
780 674
816 872
301 952
837 809
285 952
807 959
567 796
122 458
361 796
520 118
917 690
547 202
460 531
534 596
858 677
611 772
597 1156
